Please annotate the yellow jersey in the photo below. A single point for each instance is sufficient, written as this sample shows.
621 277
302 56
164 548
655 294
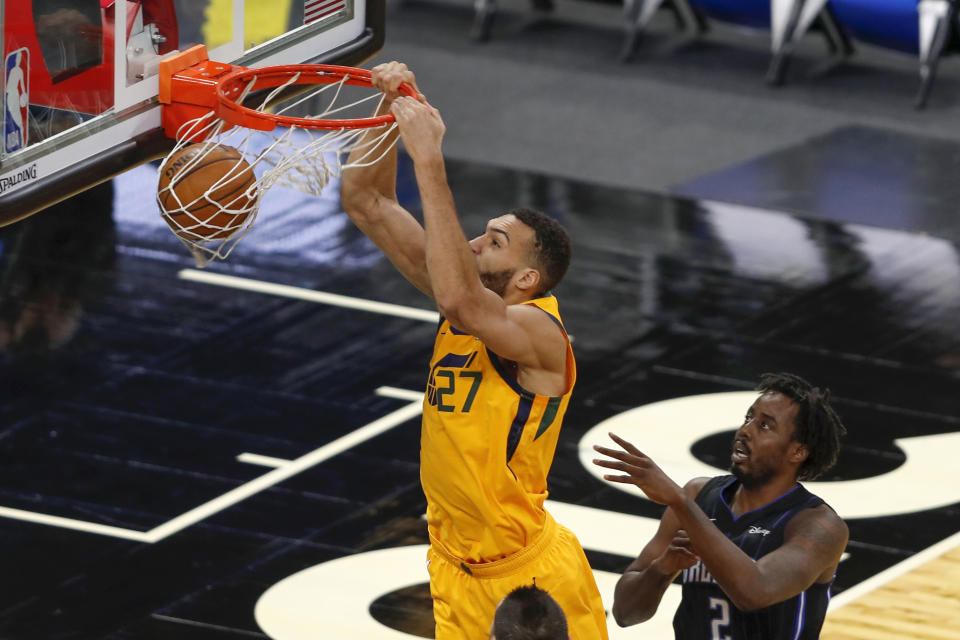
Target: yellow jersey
486 446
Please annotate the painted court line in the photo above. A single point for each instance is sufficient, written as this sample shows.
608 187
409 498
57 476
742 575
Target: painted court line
209 626
283 469
400 394
309 295
287 470
263 461
70 523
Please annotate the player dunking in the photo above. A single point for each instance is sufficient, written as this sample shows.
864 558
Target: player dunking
499 382
757 551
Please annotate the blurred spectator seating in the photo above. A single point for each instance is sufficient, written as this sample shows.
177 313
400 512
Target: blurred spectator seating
927 28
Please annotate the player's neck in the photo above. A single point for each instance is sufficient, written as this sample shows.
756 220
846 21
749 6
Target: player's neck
748 499
516 296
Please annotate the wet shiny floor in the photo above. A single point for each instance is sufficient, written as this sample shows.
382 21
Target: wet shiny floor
135 394
854 174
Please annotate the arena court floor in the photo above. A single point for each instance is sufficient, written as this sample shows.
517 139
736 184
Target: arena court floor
189 443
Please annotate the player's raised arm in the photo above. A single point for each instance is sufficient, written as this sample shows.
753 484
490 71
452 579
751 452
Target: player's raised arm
489 310
369 193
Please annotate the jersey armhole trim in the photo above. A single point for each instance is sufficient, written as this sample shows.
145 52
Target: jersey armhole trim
510 380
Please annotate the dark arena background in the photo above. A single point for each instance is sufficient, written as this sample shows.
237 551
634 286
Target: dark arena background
233 452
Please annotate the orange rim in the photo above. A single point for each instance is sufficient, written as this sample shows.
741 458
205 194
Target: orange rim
232 86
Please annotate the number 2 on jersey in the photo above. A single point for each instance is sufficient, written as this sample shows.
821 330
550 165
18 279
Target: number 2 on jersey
720 620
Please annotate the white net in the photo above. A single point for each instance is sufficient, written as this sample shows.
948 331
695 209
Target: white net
209 192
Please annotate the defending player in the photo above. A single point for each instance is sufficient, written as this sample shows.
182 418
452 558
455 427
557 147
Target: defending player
500 379
758 552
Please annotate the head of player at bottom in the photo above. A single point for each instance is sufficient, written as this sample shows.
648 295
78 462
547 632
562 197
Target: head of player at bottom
529 613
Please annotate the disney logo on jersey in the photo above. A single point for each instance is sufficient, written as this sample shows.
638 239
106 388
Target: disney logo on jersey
760 530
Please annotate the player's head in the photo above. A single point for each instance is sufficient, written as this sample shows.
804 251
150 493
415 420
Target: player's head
791 425
523 250
529 613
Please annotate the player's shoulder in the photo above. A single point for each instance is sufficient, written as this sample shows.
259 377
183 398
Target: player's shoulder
820 522
538 318
696 485
544 305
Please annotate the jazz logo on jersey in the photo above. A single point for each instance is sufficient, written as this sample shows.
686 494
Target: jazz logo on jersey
16 74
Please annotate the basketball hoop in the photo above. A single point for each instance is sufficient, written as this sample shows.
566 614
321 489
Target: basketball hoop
207 111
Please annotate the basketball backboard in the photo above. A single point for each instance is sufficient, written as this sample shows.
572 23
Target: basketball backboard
79 97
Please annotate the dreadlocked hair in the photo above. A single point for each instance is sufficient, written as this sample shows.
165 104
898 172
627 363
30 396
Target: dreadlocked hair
818 426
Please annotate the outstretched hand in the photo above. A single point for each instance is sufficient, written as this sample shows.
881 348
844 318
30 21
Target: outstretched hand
640 471
421 128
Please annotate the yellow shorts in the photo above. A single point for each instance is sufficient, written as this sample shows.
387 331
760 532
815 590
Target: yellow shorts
466 595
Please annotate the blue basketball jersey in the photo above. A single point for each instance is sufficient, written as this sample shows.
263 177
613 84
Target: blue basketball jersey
705 612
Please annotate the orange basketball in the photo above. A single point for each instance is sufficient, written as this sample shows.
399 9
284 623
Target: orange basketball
203 191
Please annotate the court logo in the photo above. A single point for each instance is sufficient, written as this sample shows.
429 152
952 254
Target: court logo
16 73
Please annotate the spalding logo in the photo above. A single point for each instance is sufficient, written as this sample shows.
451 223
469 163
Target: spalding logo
179 162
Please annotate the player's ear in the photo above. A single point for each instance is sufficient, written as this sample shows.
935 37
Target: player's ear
528 280
799 453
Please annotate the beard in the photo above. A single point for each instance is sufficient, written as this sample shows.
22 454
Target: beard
751 480
497 281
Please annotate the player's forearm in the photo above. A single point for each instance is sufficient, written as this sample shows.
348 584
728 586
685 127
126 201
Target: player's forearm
362 185
450 261
638 595
736 573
